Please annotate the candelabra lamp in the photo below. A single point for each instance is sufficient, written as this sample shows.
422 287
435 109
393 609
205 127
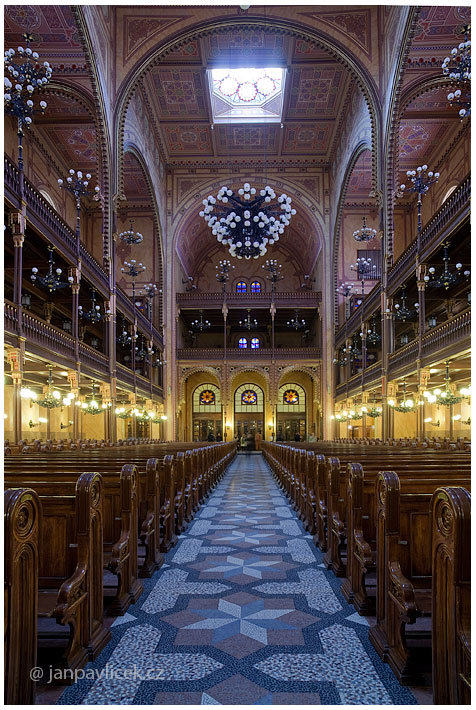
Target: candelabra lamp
51 398
248 323
223 271
124 338
365 233
52 280
447 278
373 336
341 359
77 185
354 351
364 268
158 362
25 76
446 397
296 323
133 269
130 236
405 405
200 325
402 312
274 272
458 69
149 292
142 351
92 406
93 315
247 227
420 183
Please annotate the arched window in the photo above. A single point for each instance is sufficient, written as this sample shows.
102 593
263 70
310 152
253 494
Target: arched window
254 343
255 287
241 287
206 398
242 343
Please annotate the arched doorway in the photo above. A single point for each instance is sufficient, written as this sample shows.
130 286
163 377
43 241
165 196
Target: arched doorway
249 413
291 412
206 412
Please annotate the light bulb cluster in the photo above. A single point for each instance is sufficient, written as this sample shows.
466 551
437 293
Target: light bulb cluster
457 67
365 233
132 268
246 228
420 182
363 267
78 184
22 81
130 236
52 279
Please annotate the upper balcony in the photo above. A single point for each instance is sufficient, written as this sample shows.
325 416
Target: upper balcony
206 355
283 299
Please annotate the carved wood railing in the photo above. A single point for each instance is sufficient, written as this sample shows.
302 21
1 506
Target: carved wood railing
197 299
206 354
124 374
370 305
47 336
10 317
94 360
454 332
405 357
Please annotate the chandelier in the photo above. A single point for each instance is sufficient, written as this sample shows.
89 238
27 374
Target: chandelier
447 278
274 272
247 227
125 338
78 187
341 358
373 337
373 412
142 352
402 312
406 405
354 350
200 325
364 267
149 293
420 184
52 398
345 289
365 233
248 323
458 69
25 77
92 407
447 397
132 268
52 279
130 237
223 271
296 323
158 362
94 314
122 412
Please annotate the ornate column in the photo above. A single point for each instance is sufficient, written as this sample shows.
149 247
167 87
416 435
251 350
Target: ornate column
73 379
16 358
75 286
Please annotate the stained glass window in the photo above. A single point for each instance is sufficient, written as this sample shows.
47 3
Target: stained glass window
246 86
249 397
242 343
241 287
207 397
255 287
290 397
254 343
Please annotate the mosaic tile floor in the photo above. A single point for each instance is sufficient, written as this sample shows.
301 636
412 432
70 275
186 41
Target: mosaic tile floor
242 612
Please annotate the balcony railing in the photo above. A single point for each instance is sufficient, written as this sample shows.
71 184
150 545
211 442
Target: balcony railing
370 304
47 336
11 177
124 375
372 373
404 358
94 360
10 317
455 333
194 299
206 354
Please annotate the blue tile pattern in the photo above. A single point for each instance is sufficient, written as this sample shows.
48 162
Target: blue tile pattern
243 612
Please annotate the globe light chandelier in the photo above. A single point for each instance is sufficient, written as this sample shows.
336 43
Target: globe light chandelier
247 226
158 362
200 325
446 397
447 278
77 184
296 323
274 272
248 323
406 405
403 312
52 398
458 69
25 76
93 315
124 337
420 183
130 236
52 280
223 269
373 336
365 233
92 406
364 268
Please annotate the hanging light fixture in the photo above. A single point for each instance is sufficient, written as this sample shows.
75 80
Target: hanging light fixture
122 413
94 314
432 321
247 227
158 362
341 359
52 398
406 405
447 278
223 271
274 272
354 351
25 77
373 337
130 236
447 398
365 233
248 323
364 268
458 69
402 312
91 407
142 352
296 323
52 279
149 292
124 337
132 268
200 325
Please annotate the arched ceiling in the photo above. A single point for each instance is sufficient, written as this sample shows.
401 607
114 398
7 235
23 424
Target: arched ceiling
360 181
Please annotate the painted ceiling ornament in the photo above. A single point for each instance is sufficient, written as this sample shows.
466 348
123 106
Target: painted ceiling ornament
458 69
243 223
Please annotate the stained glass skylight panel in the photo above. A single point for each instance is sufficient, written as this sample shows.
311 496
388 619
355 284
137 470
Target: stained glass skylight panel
247 94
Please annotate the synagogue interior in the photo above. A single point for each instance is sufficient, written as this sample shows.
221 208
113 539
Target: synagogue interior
237 357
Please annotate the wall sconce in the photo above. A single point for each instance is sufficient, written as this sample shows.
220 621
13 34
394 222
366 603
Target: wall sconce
65 426
428 420
164 417
270 426
25 300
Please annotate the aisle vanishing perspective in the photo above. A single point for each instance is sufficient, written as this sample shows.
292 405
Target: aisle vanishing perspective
242 612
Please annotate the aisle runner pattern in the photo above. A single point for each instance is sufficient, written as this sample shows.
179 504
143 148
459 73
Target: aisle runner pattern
243 612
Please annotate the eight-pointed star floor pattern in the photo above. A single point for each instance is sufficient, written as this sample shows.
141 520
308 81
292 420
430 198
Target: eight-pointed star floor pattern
242 612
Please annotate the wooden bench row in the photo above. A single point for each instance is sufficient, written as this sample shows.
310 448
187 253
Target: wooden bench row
346 501
95 535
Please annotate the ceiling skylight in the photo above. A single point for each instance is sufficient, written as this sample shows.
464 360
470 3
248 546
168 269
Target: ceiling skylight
246 95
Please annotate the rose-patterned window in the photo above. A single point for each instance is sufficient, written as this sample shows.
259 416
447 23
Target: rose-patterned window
290 397
242 343
207 397
241 287
254 343
249 397
255 287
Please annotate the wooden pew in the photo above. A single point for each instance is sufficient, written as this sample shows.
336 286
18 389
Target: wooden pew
451 572
22 523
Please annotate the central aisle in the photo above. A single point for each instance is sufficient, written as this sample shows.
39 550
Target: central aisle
242 612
